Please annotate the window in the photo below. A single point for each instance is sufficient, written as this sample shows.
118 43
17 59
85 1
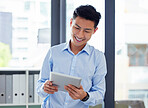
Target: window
20 22
131 46
138 54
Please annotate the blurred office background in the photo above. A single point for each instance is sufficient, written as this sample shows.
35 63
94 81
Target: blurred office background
131 46
24 18
25 37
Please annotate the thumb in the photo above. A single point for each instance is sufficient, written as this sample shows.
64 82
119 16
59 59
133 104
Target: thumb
50 83
81 87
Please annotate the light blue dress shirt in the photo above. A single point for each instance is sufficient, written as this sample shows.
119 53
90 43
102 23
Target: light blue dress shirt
89 64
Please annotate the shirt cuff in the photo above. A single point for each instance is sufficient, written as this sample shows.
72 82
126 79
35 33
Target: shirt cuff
92 101
89 99
43 94
42 88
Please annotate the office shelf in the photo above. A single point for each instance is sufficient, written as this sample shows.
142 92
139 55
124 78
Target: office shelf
26 72
12 106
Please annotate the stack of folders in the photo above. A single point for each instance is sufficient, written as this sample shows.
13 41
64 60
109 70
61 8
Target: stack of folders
13 89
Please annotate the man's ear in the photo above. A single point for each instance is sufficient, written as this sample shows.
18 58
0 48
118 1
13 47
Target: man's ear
70 22
95 29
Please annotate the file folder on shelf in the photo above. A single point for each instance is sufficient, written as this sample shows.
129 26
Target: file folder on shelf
9 88
36 76
22 90
31 89
16 88
2 89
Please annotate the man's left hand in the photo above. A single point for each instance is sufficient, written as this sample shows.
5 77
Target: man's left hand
75 93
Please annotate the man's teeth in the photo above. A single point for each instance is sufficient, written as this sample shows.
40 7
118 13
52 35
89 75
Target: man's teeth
78 39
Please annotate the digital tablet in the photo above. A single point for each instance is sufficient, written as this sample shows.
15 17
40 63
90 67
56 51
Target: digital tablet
61 80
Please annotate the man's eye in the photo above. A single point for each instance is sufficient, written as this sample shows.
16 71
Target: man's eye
87 31
77 28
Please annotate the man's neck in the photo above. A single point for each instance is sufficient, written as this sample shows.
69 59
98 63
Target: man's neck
76 49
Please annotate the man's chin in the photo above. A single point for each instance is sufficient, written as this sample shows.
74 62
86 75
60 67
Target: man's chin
80 44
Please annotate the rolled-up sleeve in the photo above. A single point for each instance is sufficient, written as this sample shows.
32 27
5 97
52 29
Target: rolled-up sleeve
98 88
44 74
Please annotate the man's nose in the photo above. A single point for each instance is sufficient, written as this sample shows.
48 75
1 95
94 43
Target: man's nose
81 33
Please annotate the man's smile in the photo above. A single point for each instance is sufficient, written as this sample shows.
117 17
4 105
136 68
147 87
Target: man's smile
77 39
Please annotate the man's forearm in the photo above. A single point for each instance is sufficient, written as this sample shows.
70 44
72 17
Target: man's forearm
40 90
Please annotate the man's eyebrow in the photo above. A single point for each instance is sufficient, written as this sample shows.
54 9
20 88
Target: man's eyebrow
84 28
77 25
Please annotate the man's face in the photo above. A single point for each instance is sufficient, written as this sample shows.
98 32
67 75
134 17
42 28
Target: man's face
81 31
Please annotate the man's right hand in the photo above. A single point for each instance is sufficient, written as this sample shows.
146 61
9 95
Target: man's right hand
50 88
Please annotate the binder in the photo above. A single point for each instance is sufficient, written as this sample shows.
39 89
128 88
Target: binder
22 91
31 89
2 89
36 76
9 87
16 88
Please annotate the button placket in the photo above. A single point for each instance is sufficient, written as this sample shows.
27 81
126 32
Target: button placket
73 65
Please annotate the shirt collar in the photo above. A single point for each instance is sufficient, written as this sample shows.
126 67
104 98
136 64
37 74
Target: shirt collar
67 47
85 49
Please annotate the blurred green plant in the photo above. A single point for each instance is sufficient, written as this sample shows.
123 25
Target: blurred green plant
5 55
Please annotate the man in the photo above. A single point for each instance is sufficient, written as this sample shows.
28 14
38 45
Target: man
76 58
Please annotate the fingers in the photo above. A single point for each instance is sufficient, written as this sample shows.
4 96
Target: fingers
50 88
81 87
71 88
73 91
49 91
72 96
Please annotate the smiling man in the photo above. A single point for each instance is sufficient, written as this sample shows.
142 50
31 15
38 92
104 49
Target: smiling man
82 30
76 58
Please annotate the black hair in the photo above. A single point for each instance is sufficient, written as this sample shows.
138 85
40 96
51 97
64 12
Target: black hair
87 12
